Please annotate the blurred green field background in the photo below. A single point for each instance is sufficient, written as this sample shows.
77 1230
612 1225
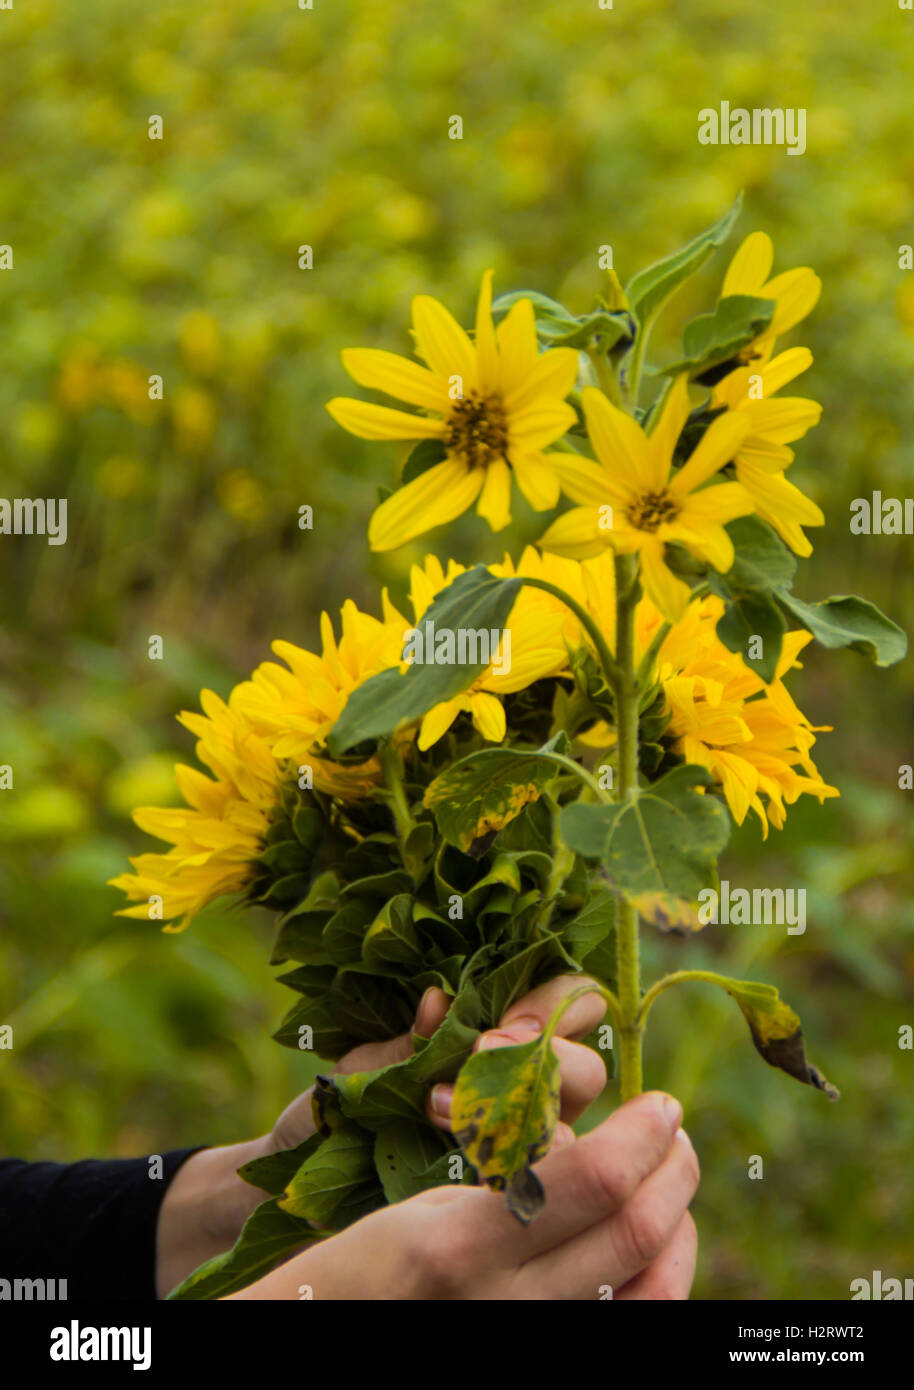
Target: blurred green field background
179 257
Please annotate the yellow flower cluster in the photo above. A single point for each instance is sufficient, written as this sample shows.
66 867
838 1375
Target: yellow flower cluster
495 404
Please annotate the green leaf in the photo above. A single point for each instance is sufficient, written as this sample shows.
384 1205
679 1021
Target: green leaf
591 937
519 973
475 601
392 938
337 1184
775 1028
273 1172
558 327
650 288
268 1234
718 336
658 846
504 1115
848 621
761 575
751 615
376 1098
408 1158
484 791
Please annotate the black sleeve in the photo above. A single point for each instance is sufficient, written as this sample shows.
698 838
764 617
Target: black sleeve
91 1223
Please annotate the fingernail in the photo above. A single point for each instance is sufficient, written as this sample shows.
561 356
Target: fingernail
683 1138
672 1111
440 1101
526 1024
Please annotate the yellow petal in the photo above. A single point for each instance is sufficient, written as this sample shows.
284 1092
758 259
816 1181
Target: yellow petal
397 376
784 368
717 447
495 499
783 420
709 541
442 343
718 504
553 374
621 444
380 422
517 346
438 720
486 351
540 424
488 716
777 499
435 497
668 428
796 292
536 477
577 534
750 267
668 593
587 482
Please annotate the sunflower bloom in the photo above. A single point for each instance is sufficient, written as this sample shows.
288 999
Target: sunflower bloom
751 737
494 404
635 503
294 709
763 455
217 837
795 292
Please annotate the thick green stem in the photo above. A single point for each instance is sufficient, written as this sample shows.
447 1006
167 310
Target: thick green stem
627 943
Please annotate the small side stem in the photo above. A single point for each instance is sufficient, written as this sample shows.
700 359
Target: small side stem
393 781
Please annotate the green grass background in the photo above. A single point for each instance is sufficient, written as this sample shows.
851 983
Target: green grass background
133 257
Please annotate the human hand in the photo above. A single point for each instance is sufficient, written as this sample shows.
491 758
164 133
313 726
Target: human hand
615 1225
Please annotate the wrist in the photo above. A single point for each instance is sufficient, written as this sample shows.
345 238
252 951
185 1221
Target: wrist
204 1208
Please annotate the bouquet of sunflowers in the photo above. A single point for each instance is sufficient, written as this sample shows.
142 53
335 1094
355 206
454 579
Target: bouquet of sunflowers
497 779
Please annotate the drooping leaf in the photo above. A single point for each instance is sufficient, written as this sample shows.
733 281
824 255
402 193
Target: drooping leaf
650 288
484 791
476 602
504 1115
776 1030
268 1235
658 846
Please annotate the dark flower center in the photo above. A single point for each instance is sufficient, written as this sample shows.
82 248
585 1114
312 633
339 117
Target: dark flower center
649 511
477 429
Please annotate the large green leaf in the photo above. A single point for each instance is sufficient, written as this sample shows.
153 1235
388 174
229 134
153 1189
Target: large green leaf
650 288
759 582
476 601
848 621
658 846
268 1234
504 1115
484 791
